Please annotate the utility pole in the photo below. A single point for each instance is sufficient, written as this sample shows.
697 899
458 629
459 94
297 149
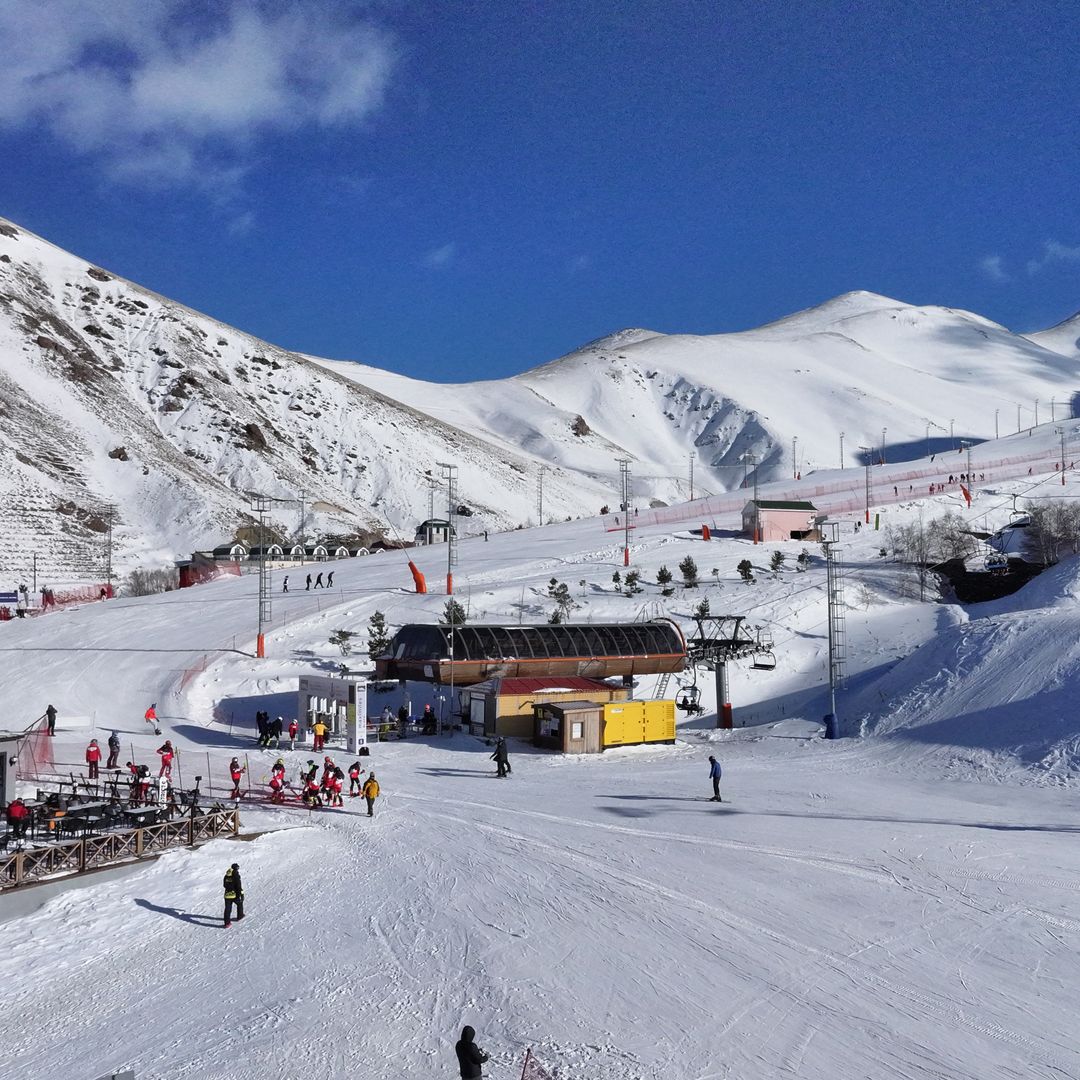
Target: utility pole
966 446
540 495
624 473
431 496
927 438
1061 432
837 630
952 440
691 475
841 450
300 533
450 476
1018 418
1036 412
1053 403
996 411
261 505
868 452
883 433
751 459
794 459
108 546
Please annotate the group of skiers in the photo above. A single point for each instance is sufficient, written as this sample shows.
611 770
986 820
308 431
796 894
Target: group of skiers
308 586
270 730
326 791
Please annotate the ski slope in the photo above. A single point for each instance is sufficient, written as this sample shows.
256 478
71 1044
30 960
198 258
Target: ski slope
898 905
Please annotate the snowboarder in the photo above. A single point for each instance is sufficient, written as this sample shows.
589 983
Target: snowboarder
151 717
93 756
234 894
715 772
294 727
501 757
330 580
114 751
470 1057
354 779
50 719
236 773
371 793
285 584
308 586
318 580
166 751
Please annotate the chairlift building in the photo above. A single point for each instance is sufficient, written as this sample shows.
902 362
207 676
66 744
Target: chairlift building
588 650
771 520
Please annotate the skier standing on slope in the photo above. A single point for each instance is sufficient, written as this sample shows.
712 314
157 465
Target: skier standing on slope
354 779
236 772
470 1057
166 751
501 757
150 716
93 756
371 793
234 894
715 772
114 751
294 727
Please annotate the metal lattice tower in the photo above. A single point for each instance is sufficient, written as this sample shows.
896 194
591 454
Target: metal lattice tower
624 475
450 476
834 583
540 495
261 505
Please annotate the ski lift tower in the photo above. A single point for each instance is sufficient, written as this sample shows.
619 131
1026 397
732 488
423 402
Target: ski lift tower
261 504
450 476
837 625
720 639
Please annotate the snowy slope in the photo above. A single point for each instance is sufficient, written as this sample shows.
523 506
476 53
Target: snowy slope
117 397
1063 338
848 912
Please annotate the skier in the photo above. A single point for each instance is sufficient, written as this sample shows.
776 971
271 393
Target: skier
236 772
114 751
294 727
501 757
318 580
166 751
308 583
277 781
93 756
285 584
371 793
150 716
330 580
309 774
50 718
311 789
234 894
336 781
470 1057
715 773
354 779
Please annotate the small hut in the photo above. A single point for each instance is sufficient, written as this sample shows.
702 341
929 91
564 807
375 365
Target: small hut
769 520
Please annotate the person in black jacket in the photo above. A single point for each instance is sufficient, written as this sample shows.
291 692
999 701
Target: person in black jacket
234 894
470 1057
501 757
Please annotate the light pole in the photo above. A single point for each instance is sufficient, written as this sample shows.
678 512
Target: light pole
794 459
1053 403
883 433
841 450
751 459
540 495
1061 432
1018 418
624 471
1036 412
450 476
966 446
692 455
868 452
927 438
996 411
951 438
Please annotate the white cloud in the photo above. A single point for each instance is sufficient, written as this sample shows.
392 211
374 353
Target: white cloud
439 257
993 266
152 94
1053 252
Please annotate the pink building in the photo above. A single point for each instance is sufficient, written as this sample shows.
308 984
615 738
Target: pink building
768 520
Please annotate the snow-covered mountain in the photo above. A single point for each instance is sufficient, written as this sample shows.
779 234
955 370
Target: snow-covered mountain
113 396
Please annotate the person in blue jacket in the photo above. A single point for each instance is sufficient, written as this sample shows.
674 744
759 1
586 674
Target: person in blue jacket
715 772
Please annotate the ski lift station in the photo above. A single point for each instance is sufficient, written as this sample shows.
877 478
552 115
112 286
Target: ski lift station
505 706
769 520
590 727
339 701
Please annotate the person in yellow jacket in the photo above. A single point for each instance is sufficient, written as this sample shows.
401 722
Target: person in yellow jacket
319 730
371 793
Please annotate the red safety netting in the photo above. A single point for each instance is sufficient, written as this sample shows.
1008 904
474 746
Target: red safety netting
35 753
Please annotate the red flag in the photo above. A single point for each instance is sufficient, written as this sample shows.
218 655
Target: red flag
967 494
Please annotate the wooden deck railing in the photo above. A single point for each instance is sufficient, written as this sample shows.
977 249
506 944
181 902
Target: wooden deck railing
77 856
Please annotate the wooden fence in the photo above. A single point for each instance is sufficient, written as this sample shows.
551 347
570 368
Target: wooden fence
77 856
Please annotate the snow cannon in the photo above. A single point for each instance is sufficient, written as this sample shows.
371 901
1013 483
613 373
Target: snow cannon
418 578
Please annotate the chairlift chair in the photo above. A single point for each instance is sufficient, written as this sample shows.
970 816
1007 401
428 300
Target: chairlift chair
996 562
763 658
688 698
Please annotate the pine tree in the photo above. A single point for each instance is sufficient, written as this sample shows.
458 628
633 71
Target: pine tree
453 614
776 563
746 571
343 640
688 569
803 561
616 580
559 592
663 579
632 583
702 609
378 637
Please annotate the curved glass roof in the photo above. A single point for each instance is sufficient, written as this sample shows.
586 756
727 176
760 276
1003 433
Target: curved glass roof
417 641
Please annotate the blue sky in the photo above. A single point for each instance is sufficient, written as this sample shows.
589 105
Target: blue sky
463 190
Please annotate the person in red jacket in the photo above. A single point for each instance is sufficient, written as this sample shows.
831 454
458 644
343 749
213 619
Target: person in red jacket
18 816
294 727
354 779
236 772
93 757
277 781
166 751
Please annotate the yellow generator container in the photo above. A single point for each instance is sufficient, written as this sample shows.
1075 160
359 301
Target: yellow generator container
629 723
